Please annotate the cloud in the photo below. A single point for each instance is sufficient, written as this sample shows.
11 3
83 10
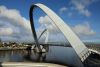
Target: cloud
82 5
80 29
63 9
6 31
13 26
14 15
48 23
83 29
45 20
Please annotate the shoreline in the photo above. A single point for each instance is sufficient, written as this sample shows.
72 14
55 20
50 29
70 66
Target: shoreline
17 48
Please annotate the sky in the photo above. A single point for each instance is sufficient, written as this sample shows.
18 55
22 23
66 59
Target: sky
83 16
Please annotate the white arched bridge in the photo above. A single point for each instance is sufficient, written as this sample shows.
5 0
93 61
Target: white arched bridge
81 50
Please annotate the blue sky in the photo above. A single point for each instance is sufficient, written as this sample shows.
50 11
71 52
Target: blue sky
82 15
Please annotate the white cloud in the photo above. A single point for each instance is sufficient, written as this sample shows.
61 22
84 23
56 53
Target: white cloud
63 9
80 29
48 23
13 26
6 31
44 20
82 5
14 15
83 29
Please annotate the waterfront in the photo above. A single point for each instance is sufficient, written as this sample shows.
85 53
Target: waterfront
59 55
56 54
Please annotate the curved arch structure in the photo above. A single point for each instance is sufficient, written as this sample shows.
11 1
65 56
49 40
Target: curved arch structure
46 35
42 33
81 50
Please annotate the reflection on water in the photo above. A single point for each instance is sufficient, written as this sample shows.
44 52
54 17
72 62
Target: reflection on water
56 54
31 55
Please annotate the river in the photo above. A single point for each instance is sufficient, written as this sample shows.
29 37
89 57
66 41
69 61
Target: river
56 54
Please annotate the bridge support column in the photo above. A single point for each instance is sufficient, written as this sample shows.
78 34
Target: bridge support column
44 48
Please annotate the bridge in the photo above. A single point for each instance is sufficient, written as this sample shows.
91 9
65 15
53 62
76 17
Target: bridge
80 48
94 51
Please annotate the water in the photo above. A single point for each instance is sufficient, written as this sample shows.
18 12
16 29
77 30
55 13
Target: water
59 55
